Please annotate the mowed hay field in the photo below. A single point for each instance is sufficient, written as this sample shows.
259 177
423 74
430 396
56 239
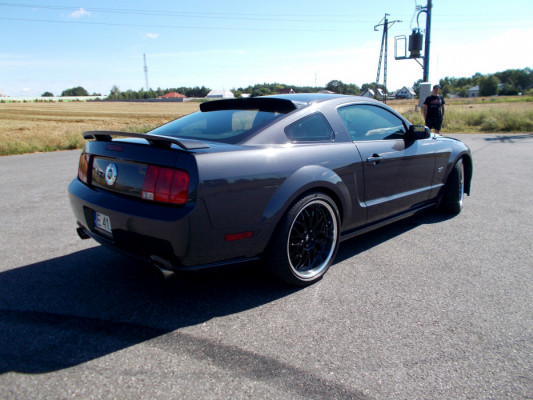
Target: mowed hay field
32 127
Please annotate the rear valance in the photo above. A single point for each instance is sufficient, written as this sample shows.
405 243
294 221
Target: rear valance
253 103
156 140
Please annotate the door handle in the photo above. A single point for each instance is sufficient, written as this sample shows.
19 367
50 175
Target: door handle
374 159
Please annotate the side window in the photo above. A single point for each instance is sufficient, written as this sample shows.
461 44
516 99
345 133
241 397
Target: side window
312 128
366 122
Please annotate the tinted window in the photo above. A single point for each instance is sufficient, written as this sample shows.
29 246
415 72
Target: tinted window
312 128
365 122
227 126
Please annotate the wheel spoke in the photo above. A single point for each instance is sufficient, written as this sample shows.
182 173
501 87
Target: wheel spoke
311 238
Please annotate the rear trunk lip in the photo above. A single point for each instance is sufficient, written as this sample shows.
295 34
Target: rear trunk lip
156 140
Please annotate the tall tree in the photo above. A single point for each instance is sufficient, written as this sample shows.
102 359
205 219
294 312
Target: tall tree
416 87
76 91
114 94
488 86
335 86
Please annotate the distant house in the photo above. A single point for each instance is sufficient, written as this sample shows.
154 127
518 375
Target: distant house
173 95
405 93
286 91
473 91
220 94
326 92
368 93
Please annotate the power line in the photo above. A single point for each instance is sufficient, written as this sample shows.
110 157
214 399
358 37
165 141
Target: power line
268 17
234 16
269 29
256 29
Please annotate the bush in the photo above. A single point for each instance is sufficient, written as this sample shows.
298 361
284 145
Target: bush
489 124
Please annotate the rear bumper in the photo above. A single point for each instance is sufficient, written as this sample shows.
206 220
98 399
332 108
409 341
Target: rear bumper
167 264
183 236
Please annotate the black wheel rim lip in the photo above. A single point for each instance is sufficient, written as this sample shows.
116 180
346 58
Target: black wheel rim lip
312 239
461 187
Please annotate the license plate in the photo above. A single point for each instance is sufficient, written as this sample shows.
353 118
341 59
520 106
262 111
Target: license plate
102 222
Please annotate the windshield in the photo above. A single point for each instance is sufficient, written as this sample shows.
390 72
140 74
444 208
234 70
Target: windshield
226 126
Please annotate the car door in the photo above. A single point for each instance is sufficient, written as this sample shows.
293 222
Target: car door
397 172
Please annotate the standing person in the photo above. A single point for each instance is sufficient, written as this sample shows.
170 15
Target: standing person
434 110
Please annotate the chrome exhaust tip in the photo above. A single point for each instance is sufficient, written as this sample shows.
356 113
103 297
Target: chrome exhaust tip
161 267
81 233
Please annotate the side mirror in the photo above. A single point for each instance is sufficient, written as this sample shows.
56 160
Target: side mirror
417 132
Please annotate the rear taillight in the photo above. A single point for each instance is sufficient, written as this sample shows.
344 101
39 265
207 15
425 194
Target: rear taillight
83 167
165 185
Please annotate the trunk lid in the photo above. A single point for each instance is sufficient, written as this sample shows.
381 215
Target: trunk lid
148 169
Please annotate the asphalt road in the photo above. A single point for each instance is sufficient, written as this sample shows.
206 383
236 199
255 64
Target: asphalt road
428 308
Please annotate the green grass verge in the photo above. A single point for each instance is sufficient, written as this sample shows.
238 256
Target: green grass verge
489 121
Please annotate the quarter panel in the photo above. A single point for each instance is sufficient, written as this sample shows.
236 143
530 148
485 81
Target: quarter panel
250 186
309 178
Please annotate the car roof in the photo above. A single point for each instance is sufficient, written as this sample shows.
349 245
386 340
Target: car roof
304 99
281 103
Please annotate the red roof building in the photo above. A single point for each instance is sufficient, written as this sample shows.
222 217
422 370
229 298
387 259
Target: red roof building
172 95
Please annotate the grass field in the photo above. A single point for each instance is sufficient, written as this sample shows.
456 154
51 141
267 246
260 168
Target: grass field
479 115
31 127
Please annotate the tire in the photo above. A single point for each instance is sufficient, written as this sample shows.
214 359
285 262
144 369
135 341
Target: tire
453 192
305 242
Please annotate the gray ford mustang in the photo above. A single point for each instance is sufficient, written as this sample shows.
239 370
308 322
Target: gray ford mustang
279 178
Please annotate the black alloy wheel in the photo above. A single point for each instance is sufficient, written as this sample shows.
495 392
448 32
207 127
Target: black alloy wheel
306 242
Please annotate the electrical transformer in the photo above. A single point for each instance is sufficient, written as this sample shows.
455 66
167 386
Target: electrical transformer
416 40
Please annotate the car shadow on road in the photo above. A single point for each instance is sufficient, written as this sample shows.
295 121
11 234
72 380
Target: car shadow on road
72 309
68 310
360 244
509 138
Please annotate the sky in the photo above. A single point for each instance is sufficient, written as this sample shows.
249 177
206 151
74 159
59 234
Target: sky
226 44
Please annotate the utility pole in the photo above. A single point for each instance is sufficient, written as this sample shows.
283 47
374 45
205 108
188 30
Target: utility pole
425 77
415 42
146 73
384 49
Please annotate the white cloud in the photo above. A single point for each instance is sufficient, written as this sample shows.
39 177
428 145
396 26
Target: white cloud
151 35
82 12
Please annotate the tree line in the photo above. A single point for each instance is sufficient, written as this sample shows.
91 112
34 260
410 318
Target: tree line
509 83
74 92
117 94
335 86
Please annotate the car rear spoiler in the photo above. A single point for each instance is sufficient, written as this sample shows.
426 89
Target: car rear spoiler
283 106
155 140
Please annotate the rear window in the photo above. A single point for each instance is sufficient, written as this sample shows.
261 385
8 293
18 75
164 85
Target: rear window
313 128
226 126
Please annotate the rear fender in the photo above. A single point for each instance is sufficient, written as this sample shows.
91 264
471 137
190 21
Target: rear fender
305 179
